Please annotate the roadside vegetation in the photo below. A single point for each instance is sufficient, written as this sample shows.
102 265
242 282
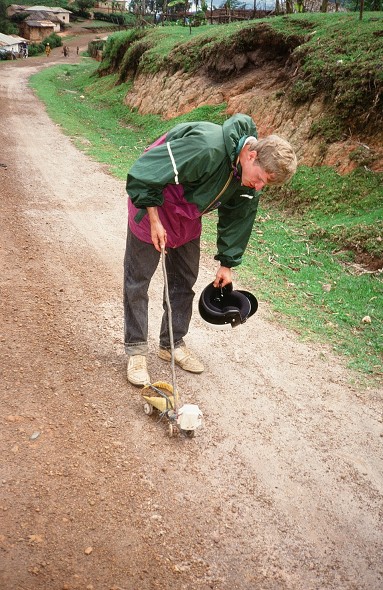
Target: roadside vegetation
316 252
336 55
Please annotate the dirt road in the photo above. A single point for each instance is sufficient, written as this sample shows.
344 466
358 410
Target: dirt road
280 490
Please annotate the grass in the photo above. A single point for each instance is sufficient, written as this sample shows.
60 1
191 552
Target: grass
92 112
298 258
313 288
99 24
348 210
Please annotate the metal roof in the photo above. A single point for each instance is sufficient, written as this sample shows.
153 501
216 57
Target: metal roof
40 23
46 9
43 16
10 40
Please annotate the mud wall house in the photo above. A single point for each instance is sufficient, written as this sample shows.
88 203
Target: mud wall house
53 13
15 9
11 43
113 5
36 29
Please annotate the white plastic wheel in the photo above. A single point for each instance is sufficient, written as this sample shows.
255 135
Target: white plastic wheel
148 408
171 430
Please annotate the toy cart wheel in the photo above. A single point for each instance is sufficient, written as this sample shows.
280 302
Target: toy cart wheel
148 408
189 433
171 430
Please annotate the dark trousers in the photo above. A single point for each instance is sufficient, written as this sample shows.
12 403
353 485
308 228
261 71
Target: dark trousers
140 263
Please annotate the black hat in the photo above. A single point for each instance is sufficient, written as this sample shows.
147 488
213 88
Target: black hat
223 307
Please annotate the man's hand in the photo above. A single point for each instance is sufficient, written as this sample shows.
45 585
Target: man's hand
223 277
157 230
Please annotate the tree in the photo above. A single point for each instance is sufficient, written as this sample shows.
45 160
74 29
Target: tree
231 5
300 6
324 6
85 5
164 11
6 26
369 5
289 6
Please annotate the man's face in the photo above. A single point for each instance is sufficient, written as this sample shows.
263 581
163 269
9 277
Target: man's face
253 175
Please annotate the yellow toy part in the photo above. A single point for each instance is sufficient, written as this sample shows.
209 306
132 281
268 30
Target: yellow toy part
160 385
154 398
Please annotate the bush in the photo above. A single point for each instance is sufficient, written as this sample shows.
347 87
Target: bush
95 46
331 128
116 19
80 13
36 48
301 92
115 48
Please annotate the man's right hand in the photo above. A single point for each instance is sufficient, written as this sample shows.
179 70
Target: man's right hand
157 230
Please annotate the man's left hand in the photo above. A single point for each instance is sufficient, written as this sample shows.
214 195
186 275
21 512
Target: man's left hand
223 277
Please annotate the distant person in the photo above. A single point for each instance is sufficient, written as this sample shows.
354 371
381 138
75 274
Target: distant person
24 50
189 171
65 52
78 49
47 50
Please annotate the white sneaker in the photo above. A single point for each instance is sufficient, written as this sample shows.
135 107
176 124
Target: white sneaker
183 357
137 372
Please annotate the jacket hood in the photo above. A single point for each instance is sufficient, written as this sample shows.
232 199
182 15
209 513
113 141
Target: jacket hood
235 129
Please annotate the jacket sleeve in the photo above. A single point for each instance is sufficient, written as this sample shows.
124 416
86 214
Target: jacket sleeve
235 223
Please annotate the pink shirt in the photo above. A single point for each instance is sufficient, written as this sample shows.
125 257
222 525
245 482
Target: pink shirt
181 219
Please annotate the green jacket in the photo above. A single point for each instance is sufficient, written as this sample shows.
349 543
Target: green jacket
190 171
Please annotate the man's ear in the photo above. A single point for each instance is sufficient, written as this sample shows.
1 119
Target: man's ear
252 155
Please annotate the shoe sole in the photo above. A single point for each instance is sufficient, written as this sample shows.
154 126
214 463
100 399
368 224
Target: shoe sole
140 384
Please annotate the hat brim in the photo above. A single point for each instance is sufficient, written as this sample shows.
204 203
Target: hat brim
253 302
